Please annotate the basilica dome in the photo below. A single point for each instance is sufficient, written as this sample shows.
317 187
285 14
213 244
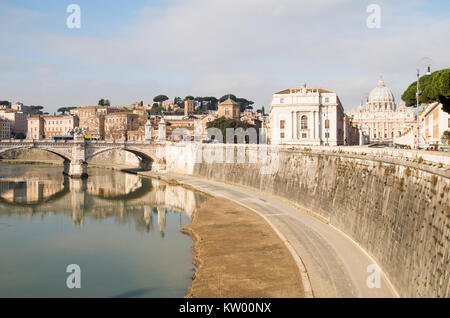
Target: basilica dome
381 93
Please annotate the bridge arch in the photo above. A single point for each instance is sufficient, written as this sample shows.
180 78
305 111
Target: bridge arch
145 159
60 154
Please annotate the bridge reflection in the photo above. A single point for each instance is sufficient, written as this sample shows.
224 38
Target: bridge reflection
124 197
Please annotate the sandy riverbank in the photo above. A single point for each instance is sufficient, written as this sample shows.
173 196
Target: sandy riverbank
237 254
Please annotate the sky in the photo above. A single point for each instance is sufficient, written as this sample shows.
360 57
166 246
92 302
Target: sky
128 51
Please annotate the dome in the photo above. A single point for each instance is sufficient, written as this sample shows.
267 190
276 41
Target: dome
381 93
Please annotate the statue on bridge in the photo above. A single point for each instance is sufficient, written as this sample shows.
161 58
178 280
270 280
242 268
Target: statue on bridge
78 133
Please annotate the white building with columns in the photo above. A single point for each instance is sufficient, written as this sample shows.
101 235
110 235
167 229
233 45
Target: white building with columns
381 119
306 116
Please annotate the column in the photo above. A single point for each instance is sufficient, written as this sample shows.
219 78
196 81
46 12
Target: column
292 125
296 125
314 125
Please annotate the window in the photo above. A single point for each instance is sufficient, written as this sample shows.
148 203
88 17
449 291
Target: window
304 136
327 99
304 122
282 135
327 135
327 123
281 100
281 124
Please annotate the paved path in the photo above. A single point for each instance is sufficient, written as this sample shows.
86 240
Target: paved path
335 264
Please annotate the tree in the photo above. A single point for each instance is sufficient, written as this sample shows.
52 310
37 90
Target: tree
189 97
62 110
243 103
223 123
104 102
262 111
20 135
225 97
4 103
211 102
445 139
156 109
36 109
179 102
434 88
160 98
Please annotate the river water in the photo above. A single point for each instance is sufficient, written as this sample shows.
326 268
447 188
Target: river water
123 231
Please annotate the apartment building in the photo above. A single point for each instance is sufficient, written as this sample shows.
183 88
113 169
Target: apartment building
17 121
5 129
59 125
35 127
92 119
117 125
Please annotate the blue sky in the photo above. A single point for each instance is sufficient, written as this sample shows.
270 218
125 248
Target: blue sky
129 51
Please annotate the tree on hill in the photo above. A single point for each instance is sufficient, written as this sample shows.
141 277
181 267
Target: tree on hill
225 97
156 109
104 102
222 123
160 98
64 110
433 88
179 102
189 97
36 109
243 103
211 102
4 103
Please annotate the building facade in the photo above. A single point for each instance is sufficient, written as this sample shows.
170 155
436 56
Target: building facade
351 132
59 125
306 116
5 129
92 119
35 127
17 121
380 118
117 125
433 123
189 107
229 109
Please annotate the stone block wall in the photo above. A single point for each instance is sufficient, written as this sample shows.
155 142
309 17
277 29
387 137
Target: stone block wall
396 207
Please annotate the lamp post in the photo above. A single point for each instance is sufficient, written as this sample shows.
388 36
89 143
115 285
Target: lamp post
418 93
425 61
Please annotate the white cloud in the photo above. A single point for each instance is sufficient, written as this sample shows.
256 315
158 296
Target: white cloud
252 48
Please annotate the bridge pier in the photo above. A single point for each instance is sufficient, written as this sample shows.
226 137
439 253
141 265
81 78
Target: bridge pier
145 164
75 168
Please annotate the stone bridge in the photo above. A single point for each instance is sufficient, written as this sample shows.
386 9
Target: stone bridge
76 153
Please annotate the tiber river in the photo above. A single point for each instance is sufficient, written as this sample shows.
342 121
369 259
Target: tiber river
122 230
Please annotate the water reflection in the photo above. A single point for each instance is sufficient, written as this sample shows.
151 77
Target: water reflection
114 225
113 194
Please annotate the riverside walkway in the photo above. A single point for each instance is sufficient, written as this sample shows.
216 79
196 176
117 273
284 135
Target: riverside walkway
336 266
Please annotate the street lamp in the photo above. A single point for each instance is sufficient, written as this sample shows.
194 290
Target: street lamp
418 93
423 62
